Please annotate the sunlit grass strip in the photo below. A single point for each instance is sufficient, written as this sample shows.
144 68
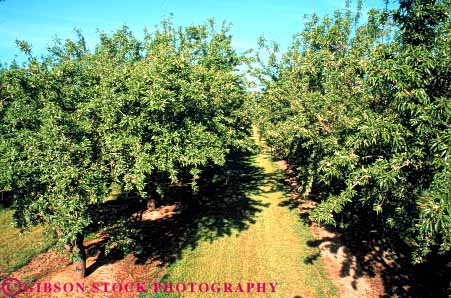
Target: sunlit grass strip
16 248
274 249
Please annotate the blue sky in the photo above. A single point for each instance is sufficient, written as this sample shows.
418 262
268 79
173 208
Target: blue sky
39 21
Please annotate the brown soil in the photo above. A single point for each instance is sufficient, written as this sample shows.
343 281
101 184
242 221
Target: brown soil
52 268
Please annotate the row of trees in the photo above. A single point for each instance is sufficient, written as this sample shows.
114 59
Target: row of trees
76 122
363 113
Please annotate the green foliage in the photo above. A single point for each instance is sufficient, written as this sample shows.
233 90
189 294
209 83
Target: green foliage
363 112
76 122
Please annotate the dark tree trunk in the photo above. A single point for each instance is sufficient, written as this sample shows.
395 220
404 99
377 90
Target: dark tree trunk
151 204
80 263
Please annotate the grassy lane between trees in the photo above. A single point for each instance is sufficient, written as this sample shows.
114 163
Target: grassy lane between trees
273 247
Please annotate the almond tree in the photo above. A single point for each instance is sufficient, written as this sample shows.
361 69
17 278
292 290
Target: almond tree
78 121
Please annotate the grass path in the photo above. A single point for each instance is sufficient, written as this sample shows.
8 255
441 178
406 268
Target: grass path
272 248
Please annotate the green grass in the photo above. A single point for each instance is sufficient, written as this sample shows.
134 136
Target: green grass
272 249
16 248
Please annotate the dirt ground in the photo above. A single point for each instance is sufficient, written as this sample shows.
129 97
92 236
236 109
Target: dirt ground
52 267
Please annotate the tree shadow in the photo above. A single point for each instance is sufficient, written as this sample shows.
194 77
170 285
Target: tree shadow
221 206
97 249
365 252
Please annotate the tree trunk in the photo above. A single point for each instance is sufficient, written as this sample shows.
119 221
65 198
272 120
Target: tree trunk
151 204
80 263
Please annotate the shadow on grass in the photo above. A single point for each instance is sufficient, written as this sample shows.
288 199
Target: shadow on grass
363 251
221 206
